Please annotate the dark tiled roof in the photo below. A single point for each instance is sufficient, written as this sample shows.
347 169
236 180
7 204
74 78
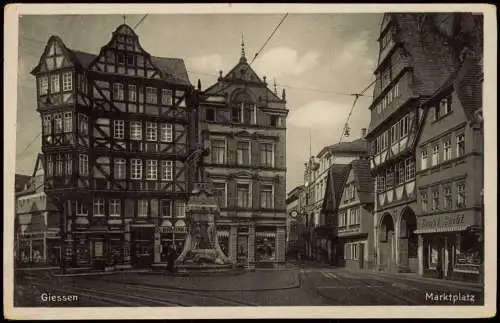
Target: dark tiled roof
363 180
20 181
83 58
358 145
173 68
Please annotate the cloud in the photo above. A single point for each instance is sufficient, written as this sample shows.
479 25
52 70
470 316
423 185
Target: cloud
280 62
211 63
355 53
319 114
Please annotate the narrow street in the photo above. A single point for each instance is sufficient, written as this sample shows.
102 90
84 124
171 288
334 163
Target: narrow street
288 287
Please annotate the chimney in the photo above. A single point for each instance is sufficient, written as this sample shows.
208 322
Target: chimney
363 132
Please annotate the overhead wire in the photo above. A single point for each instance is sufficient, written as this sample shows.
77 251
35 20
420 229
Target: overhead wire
269 38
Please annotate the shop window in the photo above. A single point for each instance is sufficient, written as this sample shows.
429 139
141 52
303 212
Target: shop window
467 252
98 249
433 253
265 247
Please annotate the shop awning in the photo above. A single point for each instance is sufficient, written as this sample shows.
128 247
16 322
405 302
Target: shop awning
265 234
223 233
448 228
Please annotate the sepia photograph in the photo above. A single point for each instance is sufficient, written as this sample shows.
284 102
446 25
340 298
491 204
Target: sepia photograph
249 161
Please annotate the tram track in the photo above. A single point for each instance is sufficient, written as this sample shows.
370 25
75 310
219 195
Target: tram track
139 294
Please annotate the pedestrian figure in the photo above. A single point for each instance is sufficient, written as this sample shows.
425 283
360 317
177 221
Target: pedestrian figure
171 256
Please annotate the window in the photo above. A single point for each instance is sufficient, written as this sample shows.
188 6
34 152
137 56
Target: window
115 207
84 124
43 85
67 81
274 121
423 158
49 165
98 248
166 209
445 105
98 207
166 132
266 154
424 201
55 86
167 170
68 121
460 145
120 58
389 179
135 130
47 125
59 165
82 81
243 195
180 209
142 208
410 169
83 165
118 92
69 164
404 126
266 197
380 183
152 170
151 95
401 173
448 202
394 133
243 153
120 168
218 151
236 113
209 115
435 199
58 123
166 97
135 169
386 40
461 195
437 112
81 209
130 60
219 189
435 155
151 131
447 150
132 93
118 129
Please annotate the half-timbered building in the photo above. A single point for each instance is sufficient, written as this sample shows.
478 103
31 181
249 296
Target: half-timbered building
415 58
117 128
243 123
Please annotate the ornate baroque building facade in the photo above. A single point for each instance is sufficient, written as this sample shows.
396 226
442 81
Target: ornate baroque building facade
243 123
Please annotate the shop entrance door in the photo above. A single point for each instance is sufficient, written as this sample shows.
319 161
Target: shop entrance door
361 255
242 249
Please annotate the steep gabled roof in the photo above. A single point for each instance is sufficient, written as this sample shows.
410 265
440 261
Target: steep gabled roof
363 180
337 175
173 69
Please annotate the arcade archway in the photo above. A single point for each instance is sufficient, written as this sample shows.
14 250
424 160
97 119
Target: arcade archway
408 241
386 242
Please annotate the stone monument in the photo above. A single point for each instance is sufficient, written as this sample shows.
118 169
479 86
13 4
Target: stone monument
201 247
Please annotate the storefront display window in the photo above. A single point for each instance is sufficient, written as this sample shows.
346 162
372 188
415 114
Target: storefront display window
265 246
433 254
242 248
82 252
115 251
224 243
467 252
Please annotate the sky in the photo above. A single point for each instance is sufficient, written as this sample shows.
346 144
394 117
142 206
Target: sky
317 58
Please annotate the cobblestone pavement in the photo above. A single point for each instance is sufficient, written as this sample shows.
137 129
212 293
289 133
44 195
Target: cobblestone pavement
306 286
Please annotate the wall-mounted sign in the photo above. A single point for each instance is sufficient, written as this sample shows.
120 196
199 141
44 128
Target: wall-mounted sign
444 220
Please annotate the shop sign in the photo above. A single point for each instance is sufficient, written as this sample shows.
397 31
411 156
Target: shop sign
441 220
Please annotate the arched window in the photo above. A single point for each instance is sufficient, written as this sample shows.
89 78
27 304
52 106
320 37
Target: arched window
243 109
